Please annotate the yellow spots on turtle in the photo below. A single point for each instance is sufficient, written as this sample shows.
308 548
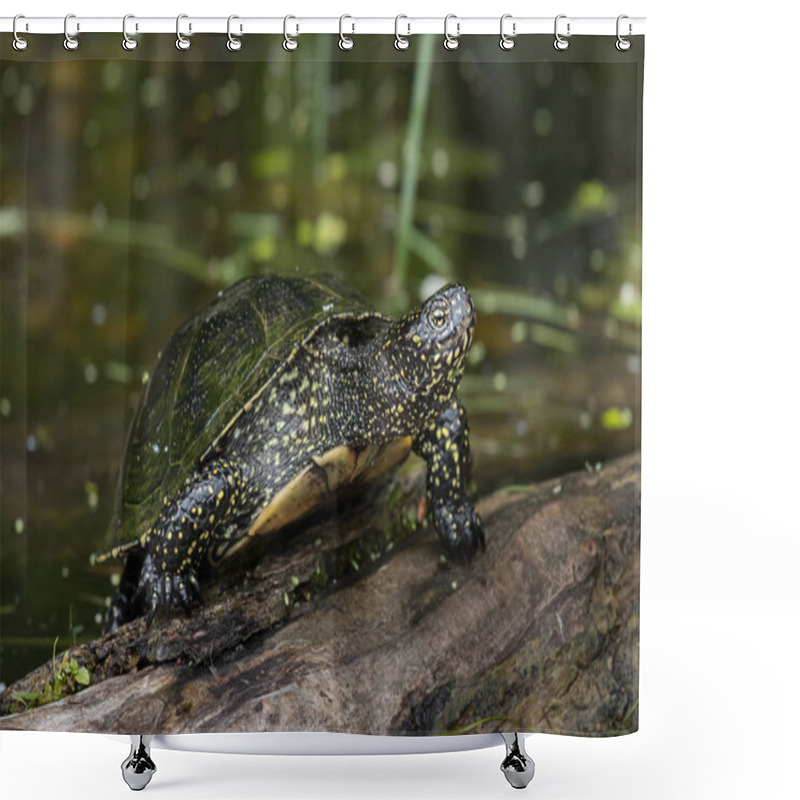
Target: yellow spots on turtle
292 374
287 410
211 518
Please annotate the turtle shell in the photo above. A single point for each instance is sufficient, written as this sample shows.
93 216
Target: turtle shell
209 372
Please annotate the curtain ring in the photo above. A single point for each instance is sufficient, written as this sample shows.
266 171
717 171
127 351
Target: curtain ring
623 44
345 42
70 42
234 42
507 41
128 42
401 42
19 43
561 43
182 42
289 43
451 42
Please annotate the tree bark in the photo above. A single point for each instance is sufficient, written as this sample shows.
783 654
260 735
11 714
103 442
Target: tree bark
343 627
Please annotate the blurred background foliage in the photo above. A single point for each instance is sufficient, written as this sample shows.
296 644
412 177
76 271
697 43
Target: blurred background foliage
137 185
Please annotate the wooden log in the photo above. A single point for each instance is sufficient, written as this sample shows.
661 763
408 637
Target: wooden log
539 632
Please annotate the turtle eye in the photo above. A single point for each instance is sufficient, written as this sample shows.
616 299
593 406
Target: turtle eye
439 313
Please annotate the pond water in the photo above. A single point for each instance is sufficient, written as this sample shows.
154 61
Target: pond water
135 188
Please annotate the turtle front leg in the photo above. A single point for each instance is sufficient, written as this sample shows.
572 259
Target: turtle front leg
178 541
444 445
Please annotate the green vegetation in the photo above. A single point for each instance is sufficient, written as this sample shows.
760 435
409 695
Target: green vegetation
67 678
134 190
412 153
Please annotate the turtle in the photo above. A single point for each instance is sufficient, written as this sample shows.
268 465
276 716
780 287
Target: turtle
282 391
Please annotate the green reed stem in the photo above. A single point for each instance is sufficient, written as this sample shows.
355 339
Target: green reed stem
322 88
412 155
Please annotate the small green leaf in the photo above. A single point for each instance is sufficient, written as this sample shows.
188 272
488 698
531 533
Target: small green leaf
617 419
21 696
82 676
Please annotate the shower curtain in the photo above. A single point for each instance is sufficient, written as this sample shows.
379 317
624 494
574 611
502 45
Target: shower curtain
193 243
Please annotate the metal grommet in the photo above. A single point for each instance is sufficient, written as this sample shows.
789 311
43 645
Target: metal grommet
561 43
70 42
128 43
401 42
507 41
234 42
345 42
623 44
289 43
19 43
182 42
451 42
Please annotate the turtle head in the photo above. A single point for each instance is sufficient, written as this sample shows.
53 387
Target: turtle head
428 346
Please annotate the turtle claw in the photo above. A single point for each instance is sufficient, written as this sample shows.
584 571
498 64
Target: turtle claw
167 589
460 528
188 591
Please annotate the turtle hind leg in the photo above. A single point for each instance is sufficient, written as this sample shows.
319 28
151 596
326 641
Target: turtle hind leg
444 445
126 604
178 541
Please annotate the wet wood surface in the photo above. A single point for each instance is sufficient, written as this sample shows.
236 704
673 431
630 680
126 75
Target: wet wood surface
345 627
